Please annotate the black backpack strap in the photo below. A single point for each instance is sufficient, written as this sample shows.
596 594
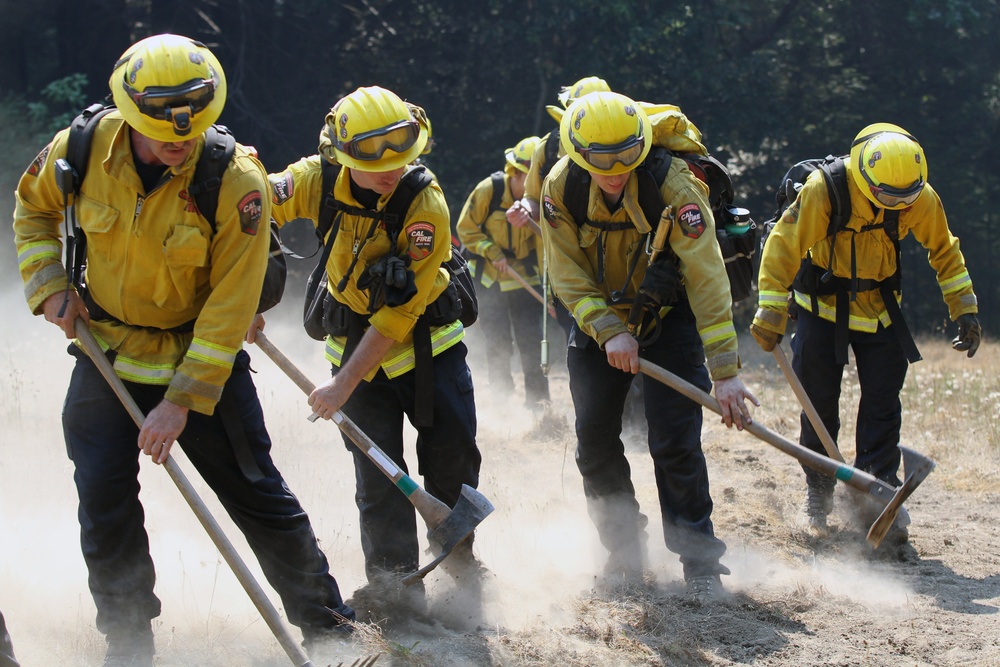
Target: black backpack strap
496 180
212 164
81 135
576 192
651 174
409 186
835 173
328 205
551 152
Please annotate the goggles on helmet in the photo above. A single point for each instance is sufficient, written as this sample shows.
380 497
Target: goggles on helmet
890 196
372 145
604 157
174 103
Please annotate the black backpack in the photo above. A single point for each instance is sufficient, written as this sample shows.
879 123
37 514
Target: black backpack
204 189
328 224
812 280
737 248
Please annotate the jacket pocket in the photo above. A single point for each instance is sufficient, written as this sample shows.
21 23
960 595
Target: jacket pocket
184 268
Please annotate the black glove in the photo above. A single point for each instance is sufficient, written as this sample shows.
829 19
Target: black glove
969 334
662 282
388 278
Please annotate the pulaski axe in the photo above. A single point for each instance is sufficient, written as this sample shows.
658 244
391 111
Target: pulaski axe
916 465
446 527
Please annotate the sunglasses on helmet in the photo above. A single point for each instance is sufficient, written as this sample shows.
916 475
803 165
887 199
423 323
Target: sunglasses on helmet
604 157
175 104
369 146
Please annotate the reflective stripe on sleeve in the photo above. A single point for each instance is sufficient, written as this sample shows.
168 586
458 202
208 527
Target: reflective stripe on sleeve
35 252
717 333
959 282
211 353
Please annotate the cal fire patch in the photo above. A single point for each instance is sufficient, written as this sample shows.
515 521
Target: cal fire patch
38 162
282 188
250 210
691 221
551 212
420 239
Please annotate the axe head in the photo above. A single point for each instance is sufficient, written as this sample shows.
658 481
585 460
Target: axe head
470 510
916 466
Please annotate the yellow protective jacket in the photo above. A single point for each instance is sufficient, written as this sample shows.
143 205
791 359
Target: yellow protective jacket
425 236
802 229
488 234
572 252
533 181
153 261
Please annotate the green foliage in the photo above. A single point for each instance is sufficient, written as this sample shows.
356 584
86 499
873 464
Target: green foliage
61 101
769 82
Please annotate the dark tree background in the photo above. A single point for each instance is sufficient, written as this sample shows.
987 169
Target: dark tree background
769 82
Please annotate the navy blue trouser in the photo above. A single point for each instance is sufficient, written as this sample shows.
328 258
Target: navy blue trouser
881 365
509 316
7 658
674 437
447 455
101 440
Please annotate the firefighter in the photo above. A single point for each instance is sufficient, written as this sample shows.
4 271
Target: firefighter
548 150
851 278
598 267
395 340
168 298
506 308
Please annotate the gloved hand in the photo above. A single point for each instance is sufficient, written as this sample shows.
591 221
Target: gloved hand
388 278
969 334
766 339
662 282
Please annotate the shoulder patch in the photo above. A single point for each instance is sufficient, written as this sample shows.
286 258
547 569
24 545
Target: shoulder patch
282 187
552 214
420 240
691 221
36 165
250 210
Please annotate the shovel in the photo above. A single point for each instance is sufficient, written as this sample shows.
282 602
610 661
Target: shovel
447 527
916 465
222 543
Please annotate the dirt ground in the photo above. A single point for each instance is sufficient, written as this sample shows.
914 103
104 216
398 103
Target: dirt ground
793 598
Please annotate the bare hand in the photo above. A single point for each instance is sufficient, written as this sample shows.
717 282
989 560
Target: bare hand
74 308
731 394
518 215
257 324
623 353
329 397
500 264
161 429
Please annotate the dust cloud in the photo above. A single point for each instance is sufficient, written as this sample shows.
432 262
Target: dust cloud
539 544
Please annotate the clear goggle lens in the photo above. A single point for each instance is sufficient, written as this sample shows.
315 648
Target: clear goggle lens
369 146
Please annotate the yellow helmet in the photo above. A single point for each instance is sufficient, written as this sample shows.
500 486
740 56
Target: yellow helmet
888 165
568 94
519 157
606 133
169 87
586 85
372 129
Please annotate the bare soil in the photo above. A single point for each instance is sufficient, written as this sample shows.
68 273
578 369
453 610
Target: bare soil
793 598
